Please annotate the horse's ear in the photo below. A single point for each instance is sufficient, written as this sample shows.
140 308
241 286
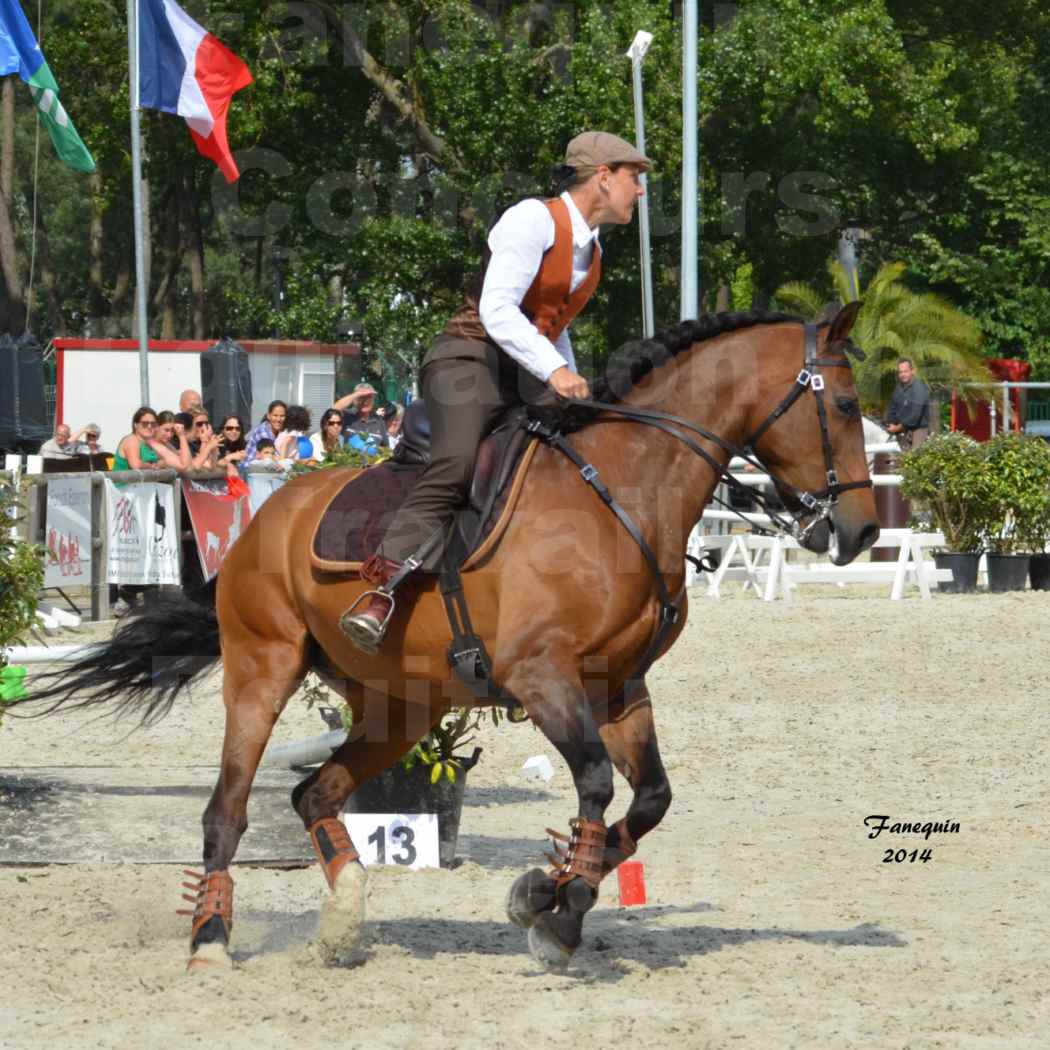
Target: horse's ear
844 321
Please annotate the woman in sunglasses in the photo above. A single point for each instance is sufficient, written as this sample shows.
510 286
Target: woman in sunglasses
143 448
232 441
330 436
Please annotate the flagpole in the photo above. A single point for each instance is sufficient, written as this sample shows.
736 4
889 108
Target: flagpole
136 191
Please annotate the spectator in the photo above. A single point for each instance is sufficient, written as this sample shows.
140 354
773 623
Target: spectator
190 401
233 448
204 446
61 446
265 452
89 446
393 416
292 443
142 449
271 425
908 417
329 437
166 430
358 416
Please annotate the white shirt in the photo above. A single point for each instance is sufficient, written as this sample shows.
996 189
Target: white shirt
518 242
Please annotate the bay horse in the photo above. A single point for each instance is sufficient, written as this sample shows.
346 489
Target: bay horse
566 604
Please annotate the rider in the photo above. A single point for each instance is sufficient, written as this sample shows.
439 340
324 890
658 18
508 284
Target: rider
507 344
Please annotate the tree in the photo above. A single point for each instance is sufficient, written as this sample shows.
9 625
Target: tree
896 322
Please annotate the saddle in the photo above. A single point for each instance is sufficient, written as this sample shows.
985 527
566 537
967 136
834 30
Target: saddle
360 512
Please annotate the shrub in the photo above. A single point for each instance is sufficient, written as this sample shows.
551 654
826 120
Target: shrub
949 474
1019 493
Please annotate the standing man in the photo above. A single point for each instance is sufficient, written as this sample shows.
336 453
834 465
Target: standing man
909 412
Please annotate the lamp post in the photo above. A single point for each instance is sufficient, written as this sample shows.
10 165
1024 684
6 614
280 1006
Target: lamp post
636 53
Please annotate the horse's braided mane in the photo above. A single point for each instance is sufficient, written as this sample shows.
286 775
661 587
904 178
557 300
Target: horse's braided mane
635 360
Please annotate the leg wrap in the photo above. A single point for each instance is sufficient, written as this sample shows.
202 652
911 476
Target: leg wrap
212 895
334 848
583 855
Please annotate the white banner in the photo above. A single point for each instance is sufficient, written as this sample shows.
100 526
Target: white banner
68 537
143 540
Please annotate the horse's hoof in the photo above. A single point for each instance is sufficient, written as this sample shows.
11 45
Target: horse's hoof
341 932
529 895
546 949
211 957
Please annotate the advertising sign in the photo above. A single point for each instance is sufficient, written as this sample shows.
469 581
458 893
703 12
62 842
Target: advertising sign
218 516
143 540
68 533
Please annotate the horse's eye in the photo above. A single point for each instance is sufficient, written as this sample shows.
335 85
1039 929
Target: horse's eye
847 406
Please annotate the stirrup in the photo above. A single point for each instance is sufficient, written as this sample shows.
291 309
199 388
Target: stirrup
367 639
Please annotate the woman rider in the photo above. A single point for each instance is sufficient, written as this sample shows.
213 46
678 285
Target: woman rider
506 346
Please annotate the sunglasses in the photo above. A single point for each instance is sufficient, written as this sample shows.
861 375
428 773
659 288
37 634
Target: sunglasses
333 422
91 437
231 428
147 422
202 422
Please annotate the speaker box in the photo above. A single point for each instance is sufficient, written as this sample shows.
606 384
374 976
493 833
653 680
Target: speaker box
226 383
23 412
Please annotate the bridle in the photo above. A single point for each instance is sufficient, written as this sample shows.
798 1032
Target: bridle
816 506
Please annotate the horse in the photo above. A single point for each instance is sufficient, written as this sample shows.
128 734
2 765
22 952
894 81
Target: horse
570 607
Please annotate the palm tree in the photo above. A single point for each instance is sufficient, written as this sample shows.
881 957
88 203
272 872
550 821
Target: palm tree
943 343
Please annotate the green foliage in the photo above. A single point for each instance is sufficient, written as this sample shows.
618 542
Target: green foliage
370 185
1018 471
21 574
438 748
21 577
895 322
950 475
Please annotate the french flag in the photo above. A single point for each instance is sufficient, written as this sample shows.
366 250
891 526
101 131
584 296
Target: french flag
184 70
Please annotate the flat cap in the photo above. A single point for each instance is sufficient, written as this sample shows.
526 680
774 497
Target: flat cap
594 148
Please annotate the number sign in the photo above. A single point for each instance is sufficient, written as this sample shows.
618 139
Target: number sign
404 840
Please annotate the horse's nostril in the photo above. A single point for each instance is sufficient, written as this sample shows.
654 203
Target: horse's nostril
868 535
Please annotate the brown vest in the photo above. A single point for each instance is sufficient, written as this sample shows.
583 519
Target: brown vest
548 303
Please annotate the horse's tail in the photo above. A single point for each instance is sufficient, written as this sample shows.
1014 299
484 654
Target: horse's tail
154 653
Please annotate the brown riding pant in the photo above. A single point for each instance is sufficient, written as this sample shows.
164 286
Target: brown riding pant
464 398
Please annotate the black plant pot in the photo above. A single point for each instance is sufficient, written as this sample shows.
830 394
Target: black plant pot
401 790
1007 572
964 572
1039 572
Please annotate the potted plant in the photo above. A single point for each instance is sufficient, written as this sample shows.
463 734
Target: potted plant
1013 494
950 476
21 577
430 778
1019 519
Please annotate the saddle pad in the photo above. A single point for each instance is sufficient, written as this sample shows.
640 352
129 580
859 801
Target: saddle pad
358 515
354 522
